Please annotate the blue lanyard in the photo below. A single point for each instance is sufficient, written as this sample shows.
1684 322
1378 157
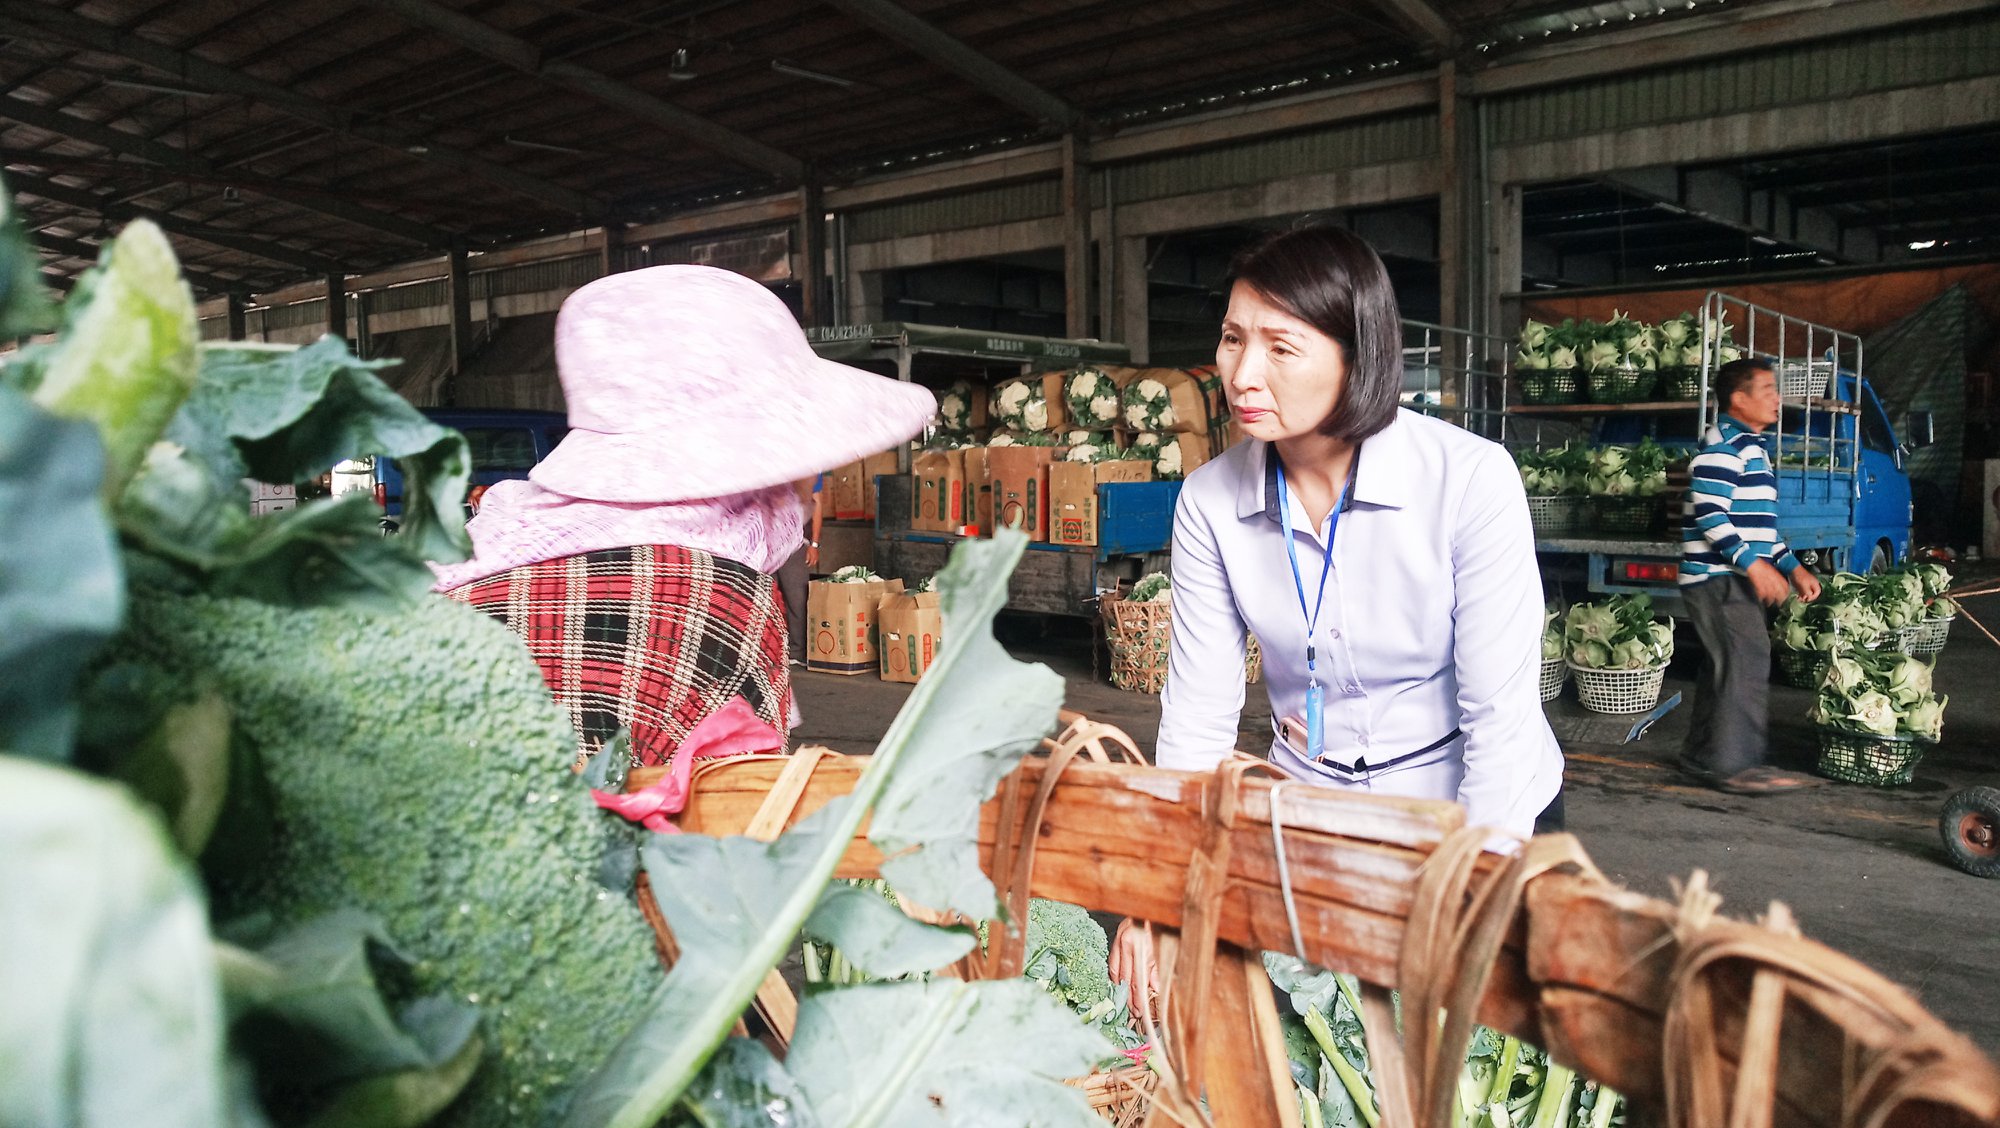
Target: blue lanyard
1315 696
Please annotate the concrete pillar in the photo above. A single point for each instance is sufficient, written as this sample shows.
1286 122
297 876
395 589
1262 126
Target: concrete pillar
1454 173
461 322
611 251
1503 252
1132 312
1076 237
238 327
336 305
812 255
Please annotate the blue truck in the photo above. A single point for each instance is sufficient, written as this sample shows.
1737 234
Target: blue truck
1844 496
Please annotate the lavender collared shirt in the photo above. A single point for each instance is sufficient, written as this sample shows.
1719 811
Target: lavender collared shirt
1429 643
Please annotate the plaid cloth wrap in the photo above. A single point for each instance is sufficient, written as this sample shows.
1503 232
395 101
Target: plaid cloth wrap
652 637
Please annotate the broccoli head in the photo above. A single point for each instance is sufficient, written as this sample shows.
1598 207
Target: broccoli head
1069 953
420 771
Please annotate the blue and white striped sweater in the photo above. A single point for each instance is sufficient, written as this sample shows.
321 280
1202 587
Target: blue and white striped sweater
1731 517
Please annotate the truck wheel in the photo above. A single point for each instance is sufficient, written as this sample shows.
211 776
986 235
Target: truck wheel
1970 826
1879 561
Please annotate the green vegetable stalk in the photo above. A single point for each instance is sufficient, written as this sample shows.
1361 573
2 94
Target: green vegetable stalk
126 360
1350 1079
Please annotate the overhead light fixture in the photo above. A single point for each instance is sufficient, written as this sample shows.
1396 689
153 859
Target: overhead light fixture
524 143
419 150
816 76
1764 239
231 196
679 70
159 87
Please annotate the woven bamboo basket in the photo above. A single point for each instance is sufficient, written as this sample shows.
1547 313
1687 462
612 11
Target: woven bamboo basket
1253 661
1139 635
1118 1096
1673 1005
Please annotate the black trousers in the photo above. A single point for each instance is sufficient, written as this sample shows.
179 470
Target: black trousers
792 576
1726 726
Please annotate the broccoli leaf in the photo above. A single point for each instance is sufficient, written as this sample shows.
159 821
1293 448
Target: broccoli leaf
925 1052
312 1009
113 1016
24 302
735 905
61 586
283 415
406 1099
880 938
745 1087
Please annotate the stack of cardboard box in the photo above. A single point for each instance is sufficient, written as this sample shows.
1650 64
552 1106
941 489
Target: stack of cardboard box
843 634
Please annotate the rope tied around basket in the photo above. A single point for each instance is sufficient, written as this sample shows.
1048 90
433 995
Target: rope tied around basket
1922 1063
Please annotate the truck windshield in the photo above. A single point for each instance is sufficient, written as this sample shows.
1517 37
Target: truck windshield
501 448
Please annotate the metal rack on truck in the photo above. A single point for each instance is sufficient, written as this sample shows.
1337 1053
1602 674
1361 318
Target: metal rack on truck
1843 495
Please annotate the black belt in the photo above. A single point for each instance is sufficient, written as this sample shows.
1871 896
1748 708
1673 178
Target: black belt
1362 767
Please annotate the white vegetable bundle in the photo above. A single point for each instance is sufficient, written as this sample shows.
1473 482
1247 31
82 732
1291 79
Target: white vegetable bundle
1622 471
1843 619
1021 404
1091 446
955 408
1016 438
1153 587
1618 633
853 574
1092 398
1163 451
1149 406
1882 694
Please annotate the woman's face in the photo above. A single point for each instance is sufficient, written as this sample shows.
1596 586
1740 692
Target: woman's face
1282 376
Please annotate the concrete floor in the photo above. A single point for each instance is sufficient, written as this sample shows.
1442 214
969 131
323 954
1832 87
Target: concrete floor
1862 868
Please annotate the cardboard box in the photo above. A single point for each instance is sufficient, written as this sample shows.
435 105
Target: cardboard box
842 626
1073 486
850 490
1020 477
912 627
978 493
940 492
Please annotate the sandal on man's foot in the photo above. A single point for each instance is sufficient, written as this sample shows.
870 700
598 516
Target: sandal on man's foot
1763 781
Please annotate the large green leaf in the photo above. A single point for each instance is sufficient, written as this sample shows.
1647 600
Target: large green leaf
125 356
963 732
284 415
182 766
311 1010
736 906
880 938
407 1099
61 588
745 1087
24 302
112 1016
944 1052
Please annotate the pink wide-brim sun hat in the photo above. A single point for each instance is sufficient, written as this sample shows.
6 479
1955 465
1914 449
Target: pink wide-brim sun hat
688 382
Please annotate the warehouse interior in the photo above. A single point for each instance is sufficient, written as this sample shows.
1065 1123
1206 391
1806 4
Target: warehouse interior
430 180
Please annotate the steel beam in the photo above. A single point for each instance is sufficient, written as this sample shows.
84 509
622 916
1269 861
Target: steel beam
461 323
41 22
238 241
1076 238
104 137
812 256
239 319
983 73
336 305
524 56
79 249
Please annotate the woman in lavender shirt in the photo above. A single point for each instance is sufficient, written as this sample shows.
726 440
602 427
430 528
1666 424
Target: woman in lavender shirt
1382 558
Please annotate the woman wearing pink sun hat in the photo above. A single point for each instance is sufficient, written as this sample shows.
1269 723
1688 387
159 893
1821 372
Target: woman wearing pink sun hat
636 560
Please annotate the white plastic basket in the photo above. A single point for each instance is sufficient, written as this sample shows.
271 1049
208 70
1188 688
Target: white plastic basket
1556 516
1800 378
1618 691
1908 638
1931 635
1554 673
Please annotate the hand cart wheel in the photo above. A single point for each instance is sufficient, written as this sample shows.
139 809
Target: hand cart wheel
1970 827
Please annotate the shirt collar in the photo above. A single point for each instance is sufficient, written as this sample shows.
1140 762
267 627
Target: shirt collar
1730 428
1382 473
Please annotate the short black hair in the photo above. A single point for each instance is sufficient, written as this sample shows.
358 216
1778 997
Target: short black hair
1331 279
1733 377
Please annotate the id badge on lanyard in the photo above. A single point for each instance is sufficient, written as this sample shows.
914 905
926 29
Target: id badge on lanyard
1315 693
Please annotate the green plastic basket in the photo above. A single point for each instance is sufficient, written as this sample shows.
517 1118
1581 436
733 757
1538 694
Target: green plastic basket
1627 383
1801 669
1546 387
1681 382
1872 761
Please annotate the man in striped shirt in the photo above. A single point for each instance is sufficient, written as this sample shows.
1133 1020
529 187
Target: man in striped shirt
1734 565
